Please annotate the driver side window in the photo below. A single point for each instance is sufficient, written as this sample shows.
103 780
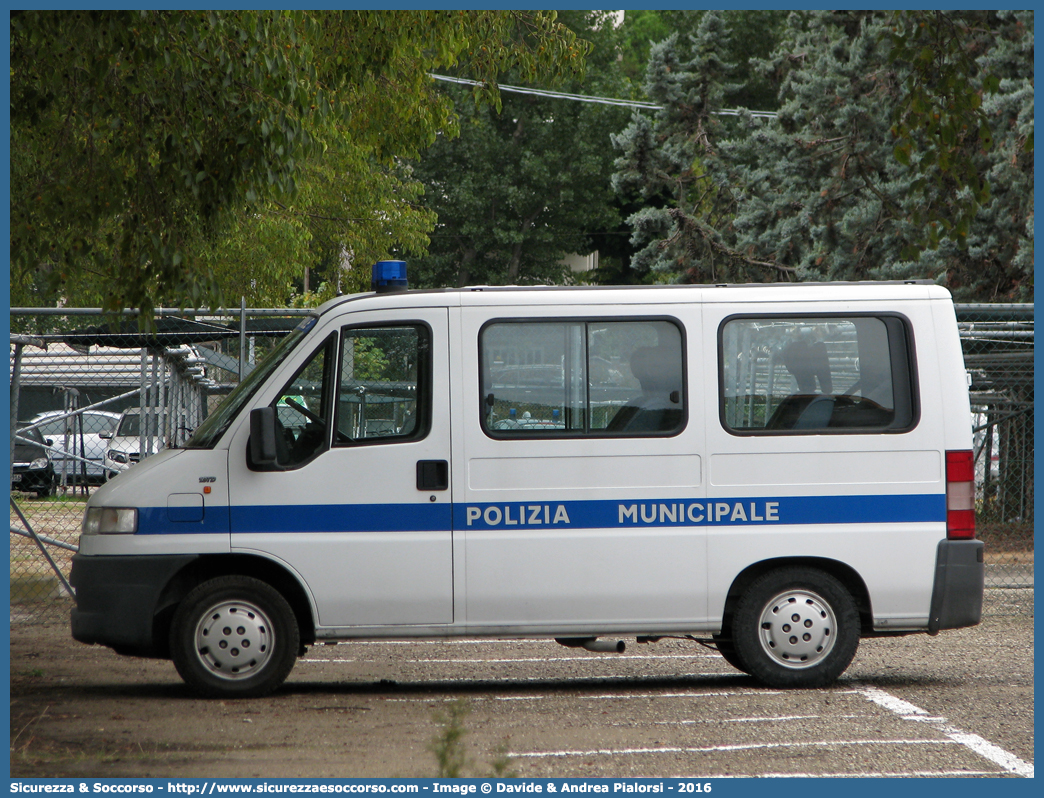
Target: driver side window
384 384
303 410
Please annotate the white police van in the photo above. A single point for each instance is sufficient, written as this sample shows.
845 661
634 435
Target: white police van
777 470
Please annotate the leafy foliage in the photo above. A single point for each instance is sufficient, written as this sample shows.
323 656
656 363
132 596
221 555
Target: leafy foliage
521 189
147 147
941 115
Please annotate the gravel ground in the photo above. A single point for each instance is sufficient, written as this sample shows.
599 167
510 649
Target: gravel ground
533 708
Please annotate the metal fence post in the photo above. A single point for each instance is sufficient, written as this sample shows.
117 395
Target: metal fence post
242 338
16 379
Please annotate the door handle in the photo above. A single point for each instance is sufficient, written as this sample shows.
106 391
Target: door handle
432 475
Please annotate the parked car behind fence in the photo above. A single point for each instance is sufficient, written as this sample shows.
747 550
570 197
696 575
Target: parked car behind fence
31 469
79 442
124 449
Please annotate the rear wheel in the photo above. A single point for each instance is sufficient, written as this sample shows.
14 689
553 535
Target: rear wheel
235 637
796 627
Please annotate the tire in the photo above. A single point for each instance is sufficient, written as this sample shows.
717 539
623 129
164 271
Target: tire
256 634
727 649
810 646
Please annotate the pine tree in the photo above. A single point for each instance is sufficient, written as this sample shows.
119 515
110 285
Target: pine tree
664 161
851 181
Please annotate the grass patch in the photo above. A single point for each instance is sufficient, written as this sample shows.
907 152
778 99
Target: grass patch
450 750
27 589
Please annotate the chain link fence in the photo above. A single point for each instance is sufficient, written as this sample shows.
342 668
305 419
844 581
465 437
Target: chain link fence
91 396
998 352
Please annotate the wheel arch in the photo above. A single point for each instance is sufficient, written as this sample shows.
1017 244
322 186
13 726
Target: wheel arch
841 571
209 566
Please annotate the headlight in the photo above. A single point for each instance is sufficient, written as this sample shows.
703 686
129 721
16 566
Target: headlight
38 463
110 521
117 457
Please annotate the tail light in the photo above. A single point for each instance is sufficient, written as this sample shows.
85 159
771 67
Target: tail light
960 494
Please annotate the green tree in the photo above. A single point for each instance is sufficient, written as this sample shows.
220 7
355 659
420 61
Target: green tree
640 30
940 114
140 140
822 190
756 34
835 187
519 190
663 162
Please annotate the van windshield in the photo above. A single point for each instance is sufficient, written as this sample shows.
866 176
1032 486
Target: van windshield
208 433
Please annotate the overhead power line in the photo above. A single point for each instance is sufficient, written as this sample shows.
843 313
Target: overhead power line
586 98
555 94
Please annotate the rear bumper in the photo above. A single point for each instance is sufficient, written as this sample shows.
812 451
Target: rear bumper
116 600
959 580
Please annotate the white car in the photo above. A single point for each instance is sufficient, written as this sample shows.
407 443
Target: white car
124 449
87 443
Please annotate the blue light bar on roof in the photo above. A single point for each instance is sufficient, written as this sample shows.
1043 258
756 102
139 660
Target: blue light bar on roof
389 275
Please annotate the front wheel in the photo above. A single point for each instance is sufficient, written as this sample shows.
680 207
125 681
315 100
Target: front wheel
796 627
234 637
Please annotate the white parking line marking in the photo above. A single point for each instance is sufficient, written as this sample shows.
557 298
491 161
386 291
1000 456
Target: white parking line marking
616 697
867 775
605 697
310 661
719 694
974 742
713 748
447 642
579 679
773 719
474 661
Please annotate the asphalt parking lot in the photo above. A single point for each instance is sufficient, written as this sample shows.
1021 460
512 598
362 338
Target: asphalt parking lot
960 704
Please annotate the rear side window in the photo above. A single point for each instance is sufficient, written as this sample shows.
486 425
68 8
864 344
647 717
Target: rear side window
816 374
582 378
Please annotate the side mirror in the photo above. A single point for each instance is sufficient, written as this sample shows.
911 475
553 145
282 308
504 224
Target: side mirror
105 435
49 441
263 453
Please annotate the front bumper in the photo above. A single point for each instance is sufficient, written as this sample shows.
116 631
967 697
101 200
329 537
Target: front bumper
959 583
32 480
117 599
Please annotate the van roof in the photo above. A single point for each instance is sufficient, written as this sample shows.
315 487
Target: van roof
656 294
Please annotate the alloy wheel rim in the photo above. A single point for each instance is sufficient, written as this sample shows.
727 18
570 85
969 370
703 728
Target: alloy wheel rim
797 629
234 640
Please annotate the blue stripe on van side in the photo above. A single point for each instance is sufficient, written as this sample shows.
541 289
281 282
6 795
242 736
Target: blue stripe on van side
160 521
706 512
600 514
343 518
